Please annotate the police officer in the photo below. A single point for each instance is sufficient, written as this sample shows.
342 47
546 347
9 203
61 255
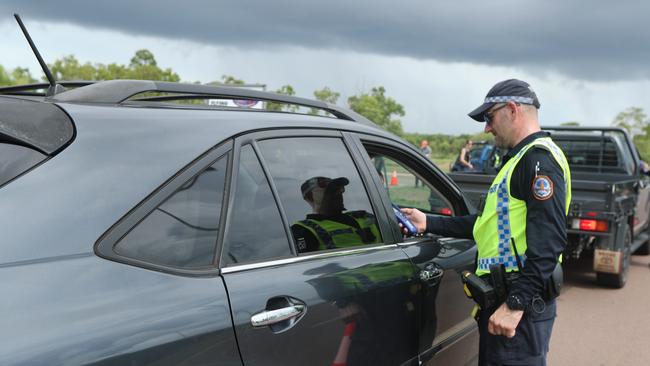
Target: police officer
329 226
522 225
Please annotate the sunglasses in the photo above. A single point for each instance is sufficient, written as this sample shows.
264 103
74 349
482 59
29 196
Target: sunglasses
488 117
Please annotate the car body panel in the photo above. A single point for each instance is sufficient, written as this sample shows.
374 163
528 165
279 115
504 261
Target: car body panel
83 309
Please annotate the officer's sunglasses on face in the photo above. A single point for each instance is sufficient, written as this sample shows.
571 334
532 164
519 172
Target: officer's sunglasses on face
488 117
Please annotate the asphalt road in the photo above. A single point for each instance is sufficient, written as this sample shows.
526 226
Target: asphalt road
598 326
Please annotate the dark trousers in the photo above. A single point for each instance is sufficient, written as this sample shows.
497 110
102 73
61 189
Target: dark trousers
529 346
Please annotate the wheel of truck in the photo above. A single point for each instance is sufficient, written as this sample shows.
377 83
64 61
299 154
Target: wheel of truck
617 280
644 249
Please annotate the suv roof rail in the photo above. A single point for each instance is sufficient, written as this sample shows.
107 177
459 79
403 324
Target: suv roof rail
119 91
30 89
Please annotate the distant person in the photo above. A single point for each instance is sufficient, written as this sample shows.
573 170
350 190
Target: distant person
425 150
330 226
462 163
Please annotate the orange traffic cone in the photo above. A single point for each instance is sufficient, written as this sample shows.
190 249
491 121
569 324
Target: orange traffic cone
341 358
393 179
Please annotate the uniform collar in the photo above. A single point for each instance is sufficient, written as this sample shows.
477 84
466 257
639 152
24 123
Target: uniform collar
527 140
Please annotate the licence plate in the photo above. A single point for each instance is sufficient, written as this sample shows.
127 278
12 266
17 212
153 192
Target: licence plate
607 261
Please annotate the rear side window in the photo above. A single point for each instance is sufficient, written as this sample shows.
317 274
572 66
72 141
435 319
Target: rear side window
182 231
255 231
15 160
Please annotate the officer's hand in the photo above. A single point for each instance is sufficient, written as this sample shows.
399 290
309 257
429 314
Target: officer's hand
417 217
504 321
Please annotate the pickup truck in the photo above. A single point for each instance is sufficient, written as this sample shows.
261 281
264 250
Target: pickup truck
609 215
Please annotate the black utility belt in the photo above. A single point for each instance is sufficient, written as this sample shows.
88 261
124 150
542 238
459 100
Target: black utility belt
491 290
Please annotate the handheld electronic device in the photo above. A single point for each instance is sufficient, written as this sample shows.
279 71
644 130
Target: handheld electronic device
404 221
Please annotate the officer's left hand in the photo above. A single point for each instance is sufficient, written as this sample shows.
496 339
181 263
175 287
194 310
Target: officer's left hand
504 321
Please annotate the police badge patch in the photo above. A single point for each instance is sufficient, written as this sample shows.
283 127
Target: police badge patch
542 188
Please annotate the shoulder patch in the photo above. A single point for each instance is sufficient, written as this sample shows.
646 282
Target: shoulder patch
542 187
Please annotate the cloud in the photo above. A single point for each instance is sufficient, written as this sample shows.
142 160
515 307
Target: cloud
580 39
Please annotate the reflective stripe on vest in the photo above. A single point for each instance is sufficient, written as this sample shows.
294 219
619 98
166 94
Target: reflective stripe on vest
333 234
504 216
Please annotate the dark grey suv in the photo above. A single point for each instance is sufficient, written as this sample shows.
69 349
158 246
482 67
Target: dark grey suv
141 227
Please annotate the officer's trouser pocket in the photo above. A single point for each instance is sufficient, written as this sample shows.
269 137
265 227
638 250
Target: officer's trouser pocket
529 346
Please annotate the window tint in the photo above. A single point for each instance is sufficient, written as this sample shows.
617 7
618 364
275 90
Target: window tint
321 192
16 159
407 189
255 231
182 231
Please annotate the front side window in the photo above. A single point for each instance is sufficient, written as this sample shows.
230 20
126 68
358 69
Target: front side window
406 188
321 193
182 231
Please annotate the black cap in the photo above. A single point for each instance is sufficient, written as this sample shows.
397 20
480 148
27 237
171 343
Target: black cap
322 182
508 90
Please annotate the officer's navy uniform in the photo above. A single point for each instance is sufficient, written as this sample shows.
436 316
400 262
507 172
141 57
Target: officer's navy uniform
546 240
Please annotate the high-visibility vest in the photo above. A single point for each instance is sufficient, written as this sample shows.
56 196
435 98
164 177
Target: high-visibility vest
333 234
504 216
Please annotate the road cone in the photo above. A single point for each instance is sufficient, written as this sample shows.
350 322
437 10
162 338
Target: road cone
393 179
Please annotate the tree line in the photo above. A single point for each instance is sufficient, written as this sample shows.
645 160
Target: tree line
374 104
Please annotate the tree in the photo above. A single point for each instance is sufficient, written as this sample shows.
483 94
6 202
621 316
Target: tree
286 90
143 66
570 123
229 79
633 119
17 76
143 58
642 142
325 95
378 108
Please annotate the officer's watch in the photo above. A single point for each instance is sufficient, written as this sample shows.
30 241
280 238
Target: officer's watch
514 303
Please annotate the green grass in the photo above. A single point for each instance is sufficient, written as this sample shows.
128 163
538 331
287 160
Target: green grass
410 196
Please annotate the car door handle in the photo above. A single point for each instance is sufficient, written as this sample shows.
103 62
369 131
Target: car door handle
269 317
431 273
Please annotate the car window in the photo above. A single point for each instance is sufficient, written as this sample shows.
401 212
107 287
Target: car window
255 231
15 160
182 231
406 188
321 192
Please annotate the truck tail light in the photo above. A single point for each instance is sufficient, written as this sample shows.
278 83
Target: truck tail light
593 225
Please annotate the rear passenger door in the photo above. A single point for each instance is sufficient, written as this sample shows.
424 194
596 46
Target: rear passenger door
354 305
448 334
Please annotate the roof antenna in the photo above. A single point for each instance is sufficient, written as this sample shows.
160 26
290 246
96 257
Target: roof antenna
54 87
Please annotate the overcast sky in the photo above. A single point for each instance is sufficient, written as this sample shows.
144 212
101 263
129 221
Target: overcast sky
586 60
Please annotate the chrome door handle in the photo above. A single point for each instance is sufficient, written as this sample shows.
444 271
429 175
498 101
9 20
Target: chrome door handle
431 273
268 317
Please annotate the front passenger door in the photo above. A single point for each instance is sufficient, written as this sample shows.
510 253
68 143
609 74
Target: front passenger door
448 333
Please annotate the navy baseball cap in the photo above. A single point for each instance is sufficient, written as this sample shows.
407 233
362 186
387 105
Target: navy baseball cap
508 90
322 182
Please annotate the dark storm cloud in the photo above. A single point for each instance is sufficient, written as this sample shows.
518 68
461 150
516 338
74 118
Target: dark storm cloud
581 39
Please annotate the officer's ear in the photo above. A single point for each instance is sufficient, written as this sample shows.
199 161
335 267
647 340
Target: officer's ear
309 197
